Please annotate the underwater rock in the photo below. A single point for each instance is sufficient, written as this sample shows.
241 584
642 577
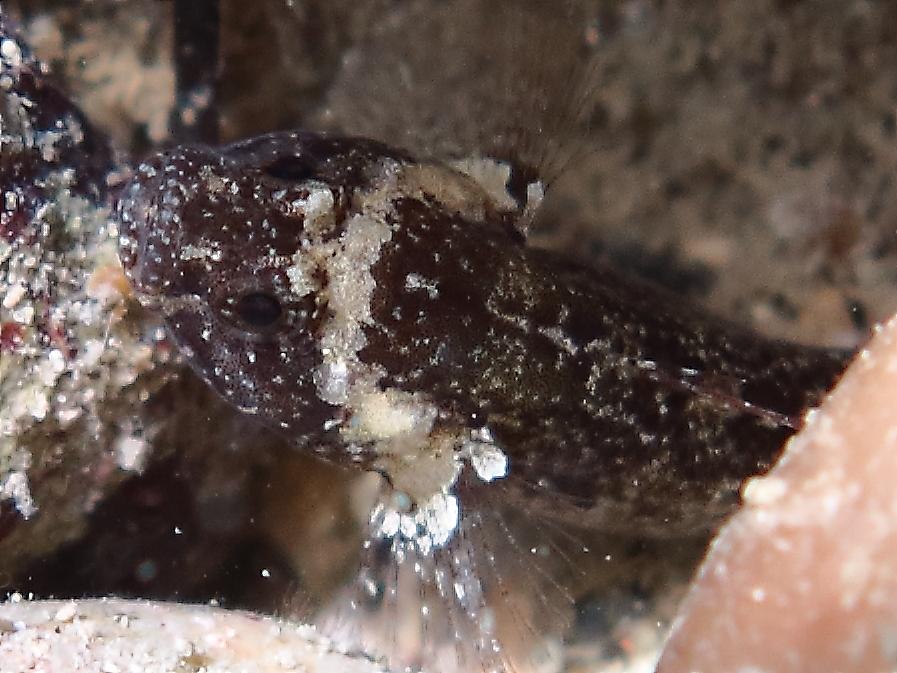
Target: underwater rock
99 636
803 577
76 362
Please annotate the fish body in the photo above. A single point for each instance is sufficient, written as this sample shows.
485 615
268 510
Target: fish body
387 313
401 294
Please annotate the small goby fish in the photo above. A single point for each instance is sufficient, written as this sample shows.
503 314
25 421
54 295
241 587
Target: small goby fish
387 313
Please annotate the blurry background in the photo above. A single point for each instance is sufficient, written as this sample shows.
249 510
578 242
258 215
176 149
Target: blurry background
741 154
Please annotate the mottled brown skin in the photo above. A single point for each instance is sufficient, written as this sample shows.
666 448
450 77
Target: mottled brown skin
683 408
618 407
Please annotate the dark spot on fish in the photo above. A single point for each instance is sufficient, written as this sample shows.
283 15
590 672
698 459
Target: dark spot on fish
258 310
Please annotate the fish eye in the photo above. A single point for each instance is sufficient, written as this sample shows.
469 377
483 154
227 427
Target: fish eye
258 310
293 168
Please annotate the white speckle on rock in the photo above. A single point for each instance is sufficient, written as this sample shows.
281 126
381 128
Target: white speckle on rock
23 315
67 612
14 295
111 635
